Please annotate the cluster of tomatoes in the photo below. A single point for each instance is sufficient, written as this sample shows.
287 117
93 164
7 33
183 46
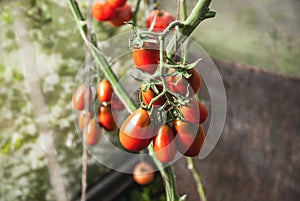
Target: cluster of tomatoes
105 117
182 130
184 134
115 12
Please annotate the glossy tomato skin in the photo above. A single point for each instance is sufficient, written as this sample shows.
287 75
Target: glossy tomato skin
137 131
203 112
106 118
190 111
146 58
195 80
116 3
164 144
189 138
92 133
163 19
116 103
104 91
82 116
143 173
122 15
102 11
148 95
78 97
191 85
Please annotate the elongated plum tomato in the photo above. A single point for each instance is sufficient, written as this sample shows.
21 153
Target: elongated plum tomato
106 118
195 80
143 173
104 91
102 11
148 95
92 133
146 57
163 19
189 138
163 144
203 112
137 131
78 97
116 103
116 3
193 83
122 15
190 111
84 116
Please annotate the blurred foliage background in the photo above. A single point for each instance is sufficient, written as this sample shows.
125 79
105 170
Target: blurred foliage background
263 33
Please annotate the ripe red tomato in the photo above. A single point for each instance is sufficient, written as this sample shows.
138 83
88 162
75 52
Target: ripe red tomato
78 97
106 118
102 11
116 3
195 80
122 15
82 116
163 19
190 111
163 144
149 94
193 83
116 103
146 58
137 131
190 137
143 173
104 91
203 112
92 133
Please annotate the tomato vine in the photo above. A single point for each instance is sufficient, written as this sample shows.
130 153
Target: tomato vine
199 13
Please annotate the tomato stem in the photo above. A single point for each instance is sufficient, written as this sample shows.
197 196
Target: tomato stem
197 178
136 10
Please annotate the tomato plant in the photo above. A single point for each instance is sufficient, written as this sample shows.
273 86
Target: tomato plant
149 94
137 131
103 11
143 173
106 118
164 144
78 97
104 91
92 133
84 115
122 15
162 20
146 57
189 137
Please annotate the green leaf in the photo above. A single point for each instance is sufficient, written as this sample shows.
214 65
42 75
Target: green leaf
6 149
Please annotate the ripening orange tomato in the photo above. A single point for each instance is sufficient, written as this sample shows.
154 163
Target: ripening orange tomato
143 173
104 91
102 11
92 133
78 97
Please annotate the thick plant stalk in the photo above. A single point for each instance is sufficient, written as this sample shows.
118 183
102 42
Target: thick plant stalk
190 24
